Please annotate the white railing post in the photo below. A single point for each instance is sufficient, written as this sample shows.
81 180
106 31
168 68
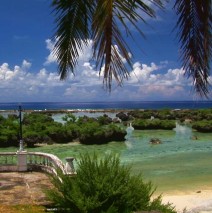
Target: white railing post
22 161
69 167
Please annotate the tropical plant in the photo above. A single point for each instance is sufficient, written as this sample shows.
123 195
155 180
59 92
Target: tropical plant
94 133
203 126
154 124
104 185
9 131
79 22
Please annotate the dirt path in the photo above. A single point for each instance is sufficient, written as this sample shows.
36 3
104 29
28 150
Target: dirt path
23 188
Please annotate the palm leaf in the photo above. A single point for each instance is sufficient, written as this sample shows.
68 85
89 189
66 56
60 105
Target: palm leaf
73 21
106 35
194 23
109 44
72 32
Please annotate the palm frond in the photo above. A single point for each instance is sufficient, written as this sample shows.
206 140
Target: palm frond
106 35
110 46
75 19
72 32
194 24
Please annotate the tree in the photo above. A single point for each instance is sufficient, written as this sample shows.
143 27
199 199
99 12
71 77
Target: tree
79 21
104 185
194 23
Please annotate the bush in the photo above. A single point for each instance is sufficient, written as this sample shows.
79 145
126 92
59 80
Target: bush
104 120
93 133
154 124
33 137
59 133
203 126
8 132
104 185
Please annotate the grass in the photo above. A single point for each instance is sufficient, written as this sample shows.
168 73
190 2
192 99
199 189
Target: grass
23 208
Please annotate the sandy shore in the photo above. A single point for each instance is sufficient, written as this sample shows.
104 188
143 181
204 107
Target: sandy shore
191 201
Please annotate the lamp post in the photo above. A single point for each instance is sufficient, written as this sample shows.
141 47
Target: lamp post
21 147
22 155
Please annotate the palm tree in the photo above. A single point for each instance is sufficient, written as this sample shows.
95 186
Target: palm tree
79 21
194 24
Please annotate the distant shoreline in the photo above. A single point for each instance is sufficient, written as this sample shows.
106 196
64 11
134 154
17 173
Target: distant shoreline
56 111
113 105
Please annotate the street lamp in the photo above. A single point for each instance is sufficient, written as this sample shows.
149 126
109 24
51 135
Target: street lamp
21 145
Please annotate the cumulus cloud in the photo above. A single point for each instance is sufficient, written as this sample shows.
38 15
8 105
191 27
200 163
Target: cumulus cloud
51 57
147 82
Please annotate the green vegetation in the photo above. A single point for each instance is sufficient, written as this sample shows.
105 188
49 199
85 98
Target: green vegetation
41 128
154 124
93 132
8 131
104 185
203 126
108 23
168 114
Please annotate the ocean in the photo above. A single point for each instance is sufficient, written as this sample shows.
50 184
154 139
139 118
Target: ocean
107 105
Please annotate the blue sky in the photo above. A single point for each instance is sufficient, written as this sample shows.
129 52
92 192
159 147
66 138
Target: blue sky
28 70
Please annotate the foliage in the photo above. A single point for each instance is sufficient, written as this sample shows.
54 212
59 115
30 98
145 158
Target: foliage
33 137
41 128
9 131
104 185
59 133
154 124
74 128
104 120
34 118
194 32
203 126
78 22
169 114
94 133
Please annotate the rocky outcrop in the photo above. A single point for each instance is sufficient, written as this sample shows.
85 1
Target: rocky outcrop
122 116
155 141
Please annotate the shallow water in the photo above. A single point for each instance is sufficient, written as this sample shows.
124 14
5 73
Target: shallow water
179 163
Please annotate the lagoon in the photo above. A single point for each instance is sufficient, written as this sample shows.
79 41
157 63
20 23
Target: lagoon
179 163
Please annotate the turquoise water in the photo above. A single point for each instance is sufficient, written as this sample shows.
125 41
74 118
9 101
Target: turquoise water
178 163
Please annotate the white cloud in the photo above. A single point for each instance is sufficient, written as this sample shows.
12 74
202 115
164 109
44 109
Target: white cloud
147 82
26 64
51 57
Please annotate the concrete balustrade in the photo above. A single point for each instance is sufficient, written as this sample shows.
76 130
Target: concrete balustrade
8 161
23 161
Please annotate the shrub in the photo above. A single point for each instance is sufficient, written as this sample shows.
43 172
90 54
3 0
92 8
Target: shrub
8 131
203 126
32 118
104 120
59 133
94 133
154 124
104 185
